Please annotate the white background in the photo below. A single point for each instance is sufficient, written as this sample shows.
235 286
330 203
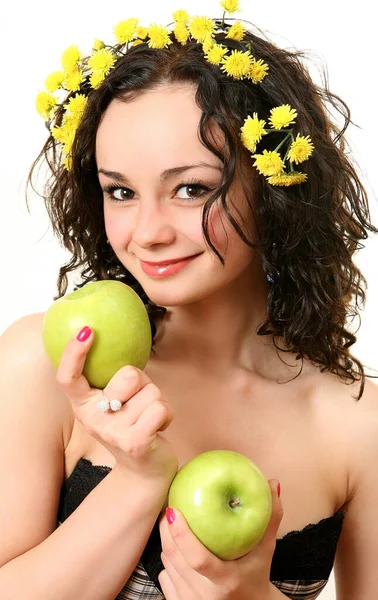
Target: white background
32 37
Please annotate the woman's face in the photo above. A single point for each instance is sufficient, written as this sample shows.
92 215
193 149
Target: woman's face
148 149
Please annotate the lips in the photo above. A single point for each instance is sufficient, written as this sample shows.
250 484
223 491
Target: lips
168 268
169 262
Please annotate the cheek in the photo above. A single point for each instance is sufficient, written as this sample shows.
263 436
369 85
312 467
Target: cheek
117 228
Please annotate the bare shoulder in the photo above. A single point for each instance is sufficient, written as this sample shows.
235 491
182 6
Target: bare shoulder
22 352
355 566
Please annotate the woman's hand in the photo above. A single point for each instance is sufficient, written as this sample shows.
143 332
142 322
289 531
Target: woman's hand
131 434
192 572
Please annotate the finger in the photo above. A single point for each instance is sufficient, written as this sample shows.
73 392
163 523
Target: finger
180 588
70 371
136 392
167 586
270 536
156 417
181 543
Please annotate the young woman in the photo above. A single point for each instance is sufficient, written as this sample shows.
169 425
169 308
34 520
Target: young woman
246 268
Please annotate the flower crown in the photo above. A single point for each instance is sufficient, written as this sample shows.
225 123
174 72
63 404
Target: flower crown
81 75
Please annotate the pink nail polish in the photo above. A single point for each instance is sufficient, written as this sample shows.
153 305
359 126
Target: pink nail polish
170 514
84 334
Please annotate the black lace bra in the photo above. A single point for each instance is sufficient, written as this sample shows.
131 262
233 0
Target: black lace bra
301 565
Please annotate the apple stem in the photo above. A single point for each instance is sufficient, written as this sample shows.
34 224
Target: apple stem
235 502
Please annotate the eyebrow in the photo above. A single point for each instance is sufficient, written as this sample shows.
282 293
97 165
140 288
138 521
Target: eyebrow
167 174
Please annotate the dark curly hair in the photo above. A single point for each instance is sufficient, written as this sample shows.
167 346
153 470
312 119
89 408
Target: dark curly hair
307 234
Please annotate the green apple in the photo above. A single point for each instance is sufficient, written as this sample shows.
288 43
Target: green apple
119 319
225 500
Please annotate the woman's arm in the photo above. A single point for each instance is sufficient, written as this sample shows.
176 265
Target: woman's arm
356 567
93 553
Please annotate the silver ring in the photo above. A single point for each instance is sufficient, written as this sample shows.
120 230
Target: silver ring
105 404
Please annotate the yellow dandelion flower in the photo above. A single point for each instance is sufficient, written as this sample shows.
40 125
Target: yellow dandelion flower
258 71
137 42
237 64
286 179
45 104
159 36
64 134
70 58
216 54
208 43
181 16
125 30
76 105
98 44
96 78
252 132
236 31
67 162
201 27
54 81
73 80
268 163
230 5
300 149
282 116
181 32
102 60
141 33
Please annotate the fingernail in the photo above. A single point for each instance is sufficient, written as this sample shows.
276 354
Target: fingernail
278 489
170 514
84 334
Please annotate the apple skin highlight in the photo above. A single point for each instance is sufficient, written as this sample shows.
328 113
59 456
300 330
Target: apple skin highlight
119 320
225 499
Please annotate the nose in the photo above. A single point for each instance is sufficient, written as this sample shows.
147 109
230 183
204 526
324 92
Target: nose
152 224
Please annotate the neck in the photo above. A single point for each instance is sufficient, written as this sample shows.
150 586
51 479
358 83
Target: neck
219 334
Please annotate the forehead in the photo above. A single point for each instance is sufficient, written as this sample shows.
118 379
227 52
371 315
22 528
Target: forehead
157 122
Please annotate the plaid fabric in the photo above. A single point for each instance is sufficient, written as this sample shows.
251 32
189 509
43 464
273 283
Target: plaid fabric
301 589
139 587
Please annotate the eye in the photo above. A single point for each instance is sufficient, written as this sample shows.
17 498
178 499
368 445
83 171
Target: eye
119 194
193 190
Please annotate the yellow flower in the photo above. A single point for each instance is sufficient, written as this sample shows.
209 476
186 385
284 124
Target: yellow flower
141 33
258 71
300 149
98 44
237 64
137 42
230 5
76 105
45 103
70 58
64 134
102 60
201 27
268 163
159 36
125 30
236 31
252 132
282 116
73 80
54 81
96 78
208 43
216 54
67 162
287 179
181 16
181 32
